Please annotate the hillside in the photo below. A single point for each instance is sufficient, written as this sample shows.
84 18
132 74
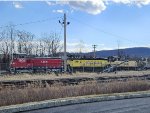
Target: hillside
137 51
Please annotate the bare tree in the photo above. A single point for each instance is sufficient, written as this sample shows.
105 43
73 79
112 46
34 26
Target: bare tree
36 48
25 44
47 43
12 41
42 48
7 40
52 43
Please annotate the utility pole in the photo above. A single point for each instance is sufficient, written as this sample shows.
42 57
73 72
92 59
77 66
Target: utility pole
11 38
65 54
94 47
65 23
118 50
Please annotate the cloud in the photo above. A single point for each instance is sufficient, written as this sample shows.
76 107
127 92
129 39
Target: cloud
90 6
143 2
17 5
121 1
80 46
49 2
130 2
58 11
96 6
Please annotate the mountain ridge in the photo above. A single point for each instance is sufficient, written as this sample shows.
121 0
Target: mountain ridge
135 51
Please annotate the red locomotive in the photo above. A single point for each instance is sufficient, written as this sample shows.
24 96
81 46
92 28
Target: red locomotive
35 64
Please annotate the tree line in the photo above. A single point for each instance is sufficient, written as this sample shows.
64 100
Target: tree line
21 41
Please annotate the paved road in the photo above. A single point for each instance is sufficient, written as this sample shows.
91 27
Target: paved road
137 105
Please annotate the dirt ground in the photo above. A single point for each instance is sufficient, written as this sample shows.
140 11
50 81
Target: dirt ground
26 76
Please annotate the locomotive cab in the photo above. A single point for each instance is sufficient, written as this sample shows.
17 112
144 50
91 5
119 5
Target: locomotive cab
19 63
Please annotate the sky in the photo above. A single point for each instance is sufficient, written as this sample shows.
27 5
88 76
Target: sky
105 23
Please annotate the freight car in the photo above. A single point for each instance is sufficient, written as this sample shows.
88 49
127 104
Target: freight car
125 65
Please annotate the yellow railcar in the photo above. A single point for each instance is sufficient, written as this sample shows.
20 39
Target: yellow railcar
88 63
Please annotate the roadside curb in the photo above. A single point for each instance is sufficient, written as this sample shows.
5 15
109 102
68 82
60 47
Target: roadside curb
72 100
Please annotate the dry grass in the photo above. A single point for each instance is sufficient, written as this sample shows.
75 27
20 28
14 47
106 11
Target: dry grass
27 76
30 94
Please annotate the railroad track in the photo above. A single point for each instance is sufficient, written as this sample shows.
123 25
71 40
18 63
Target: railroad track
66 81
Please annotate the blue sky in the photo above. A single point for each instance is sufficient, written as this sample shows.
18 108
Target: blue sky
101 22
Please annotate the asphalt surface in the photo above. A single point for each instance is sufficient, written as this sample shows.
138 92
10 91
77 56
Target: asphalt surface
137 105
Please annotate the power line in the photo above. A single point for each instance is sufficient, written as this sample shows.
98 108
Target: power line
103 31
31 22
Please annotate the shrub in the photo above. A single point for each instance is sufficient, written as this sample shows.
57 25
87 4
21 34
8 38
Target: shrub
30 94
